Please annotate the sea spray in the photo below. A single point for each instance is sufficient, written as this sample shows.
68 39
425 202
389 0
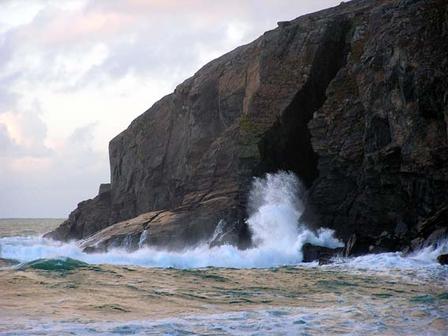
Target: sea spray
275 207
276 203
127 242
143 238
219 231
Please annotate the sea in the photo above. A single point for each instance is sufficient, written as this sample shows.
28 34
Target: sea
53 288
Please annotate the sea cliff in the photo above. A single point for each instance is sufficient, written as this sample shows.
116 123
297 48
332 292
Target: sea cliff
353 100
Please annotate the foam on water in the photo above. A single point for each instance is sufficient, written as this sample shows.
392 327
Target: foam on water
275 207
427 257
29 249
292 321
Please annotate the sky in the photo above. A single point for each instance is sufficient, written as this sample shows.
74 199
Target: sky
75 73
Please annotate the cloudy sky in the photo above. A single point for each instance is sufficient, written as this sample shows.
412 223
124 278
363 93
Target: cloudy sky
74 73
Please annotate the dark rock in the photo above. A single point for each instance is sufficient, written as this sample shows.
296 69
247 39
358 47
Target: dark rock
401 229
104 187
382 158
358 245
352 99
443 259
435 221
436 237
319 253
283 24
431 230
174 229
89 217
225 234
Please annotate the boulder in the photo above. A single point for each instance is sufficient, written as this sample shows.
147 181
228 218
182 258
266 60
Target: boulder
320 253
443 259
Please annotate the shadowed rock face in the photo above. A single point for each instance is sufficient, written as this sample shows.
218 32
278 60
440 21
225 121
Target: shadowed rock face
321 254
352 99
383 165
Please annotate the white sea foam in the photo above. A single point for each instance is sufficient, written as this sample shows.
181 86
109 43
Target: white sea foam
426 257
275 207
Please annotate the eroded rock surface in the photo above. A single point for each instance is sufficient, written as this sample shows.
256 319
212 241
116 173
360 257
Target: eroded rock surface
352 99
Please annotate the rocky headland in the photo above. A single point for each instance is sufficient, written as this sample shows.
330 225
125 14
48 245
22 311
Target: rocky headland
352 99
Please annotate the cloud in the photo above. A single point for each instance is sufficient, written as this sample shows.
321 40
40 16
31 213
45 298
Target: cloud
51 185
26 130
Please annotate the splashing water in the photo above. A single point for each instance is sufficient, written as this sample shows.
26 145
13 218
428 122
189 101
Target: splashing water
275 207
219 231
143 238
57 289
127 243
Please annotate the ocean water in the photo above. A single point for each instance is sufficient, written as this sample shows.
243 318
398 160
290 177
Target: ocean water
53 288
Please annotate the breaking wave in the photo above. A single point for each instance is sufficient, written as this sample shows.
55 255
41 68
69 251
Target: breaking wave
275 208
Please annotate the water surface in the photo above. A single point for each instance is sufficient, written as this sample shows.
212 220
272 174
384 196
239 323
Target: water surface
60 296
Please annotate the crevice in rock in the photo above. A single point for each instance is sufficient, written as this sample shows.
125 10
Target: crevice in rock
287 144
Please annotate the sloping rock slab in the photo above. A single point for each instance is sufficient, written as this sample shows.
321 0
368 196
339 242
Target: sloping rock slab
170 229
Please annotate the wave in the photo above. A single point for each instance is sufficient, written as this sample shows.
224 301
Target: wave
61 264
29 249
426 257
275 207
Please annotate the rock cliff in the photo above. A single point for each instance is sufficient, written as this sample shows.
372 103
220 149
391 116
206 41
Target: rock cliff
353 99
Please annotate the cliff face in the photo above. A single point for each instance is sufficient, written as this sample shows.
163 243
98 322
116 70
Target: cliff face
352 99
381 136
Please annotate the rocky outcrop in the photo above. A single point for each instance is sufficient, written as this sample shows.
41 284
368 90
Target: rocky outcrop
352 99
443 259
89 217
432 230
381 136
322 254
171 229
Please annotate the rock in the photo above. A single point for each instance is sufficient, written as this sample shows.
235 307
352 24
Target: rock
283 24
436 237
89 217
443 259
171 229
225 234
382 159
319 253
352 99
104 187
431 230
358 245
